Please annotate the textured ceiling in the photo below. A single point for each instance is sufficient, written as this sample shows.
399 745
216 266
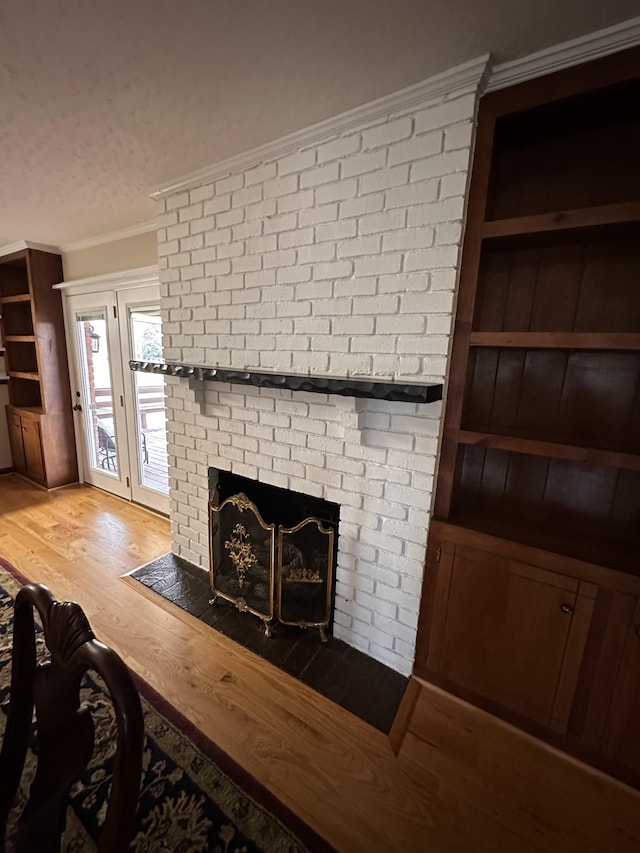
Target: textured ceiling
102 101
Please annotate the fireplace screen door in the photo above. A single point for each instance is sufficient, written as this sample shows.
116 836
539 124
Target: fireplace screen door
288 577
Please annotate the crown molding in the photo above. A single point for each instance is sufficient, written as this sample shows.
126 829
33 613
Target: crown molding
469 75
109 281
110 236
574 52
21 245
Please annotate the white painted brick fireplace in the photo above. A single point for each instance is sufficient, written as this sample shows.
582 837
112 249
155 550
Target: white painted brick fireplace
338 258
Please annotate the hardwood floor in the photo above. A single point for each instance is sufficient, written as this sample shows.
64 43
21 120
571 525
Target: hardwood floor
462 782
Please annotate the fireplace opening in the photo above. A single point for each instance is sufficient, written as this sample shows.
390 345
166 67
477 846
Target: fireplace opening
272 552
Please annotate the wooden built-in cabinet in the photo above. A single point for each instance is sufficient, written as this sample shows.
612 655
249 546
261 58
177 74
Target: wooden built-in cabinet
537 618
26 444
39 414
529 627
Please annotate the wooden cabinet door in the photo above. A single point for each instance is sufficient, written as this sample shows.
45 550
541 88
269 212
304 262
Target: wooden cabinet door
509 632
33 449
15 440
622 731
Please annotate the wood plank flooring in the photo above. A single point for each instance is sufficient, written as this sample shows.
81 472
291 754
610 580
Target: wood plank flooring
462 782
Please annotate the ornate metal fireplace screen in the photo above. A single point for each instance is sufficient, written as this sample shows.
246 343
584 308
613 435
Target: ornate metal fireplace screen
288 576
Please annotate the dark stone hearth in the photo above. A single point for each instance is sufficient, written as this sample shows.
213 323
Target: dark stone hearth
403 392
361 685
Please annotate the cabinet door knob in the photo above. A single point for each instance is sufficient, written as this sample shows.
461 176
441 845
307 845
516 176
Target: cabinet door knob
566 608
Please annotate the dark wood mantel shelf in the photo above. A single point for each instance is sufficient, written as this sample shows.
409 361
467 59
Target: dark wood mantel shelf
405 392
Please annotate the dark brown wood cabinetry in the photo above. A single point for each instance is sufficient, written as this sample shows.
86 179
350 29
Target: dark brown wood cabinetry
529 629
39 412
530 603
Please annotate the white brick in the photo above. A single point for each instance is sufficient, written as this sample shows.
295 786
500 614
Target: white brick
290 275
359 246
319 213
440 164
259 245
416 148
333 270
233 217
297 162
249 195
378 265
229 185
299 237
453 185
438 302
260 210
451 112
361 163
281 186
412 194
384 134
384 179
284 222
339 148
356 287
177 201
295 201
360 206
321 175
218 204
337 191
458 136
442 256
378 223
449 233
353 325
284 258
336 230
415 238
260 174
247 229
317 253
438 211
375 305
194 211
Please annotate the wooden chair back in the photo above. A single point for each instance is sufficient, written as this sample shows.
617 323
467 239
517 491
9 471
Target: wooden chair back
65 731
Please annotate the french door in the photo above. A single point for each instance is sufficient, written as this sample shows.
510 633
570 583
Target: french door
120 415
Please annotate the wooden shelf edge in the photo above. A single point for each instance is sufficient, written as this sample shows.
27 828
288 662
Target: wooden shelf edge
557 340
591 564
20 297
21 374
563 220
557 450
20 338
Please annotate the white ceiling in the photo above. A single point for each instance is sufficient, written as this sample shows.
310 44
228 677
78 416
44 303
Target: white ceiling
102 101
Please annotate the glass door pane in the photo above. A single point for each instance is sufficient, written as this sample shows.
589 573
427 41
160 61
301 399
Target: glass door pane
120 414
141 336
146 345
97 392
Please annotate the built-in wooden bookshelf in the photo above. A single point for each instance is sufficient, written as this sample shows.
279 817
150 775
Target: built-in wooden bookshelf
541 449
39 412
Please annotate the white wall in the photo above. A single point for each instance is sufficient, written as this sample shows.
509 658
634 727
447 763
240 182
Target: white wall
339 259
113 256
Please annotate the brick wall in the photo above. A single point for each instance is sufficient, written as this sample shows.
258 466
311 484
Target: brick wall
340 259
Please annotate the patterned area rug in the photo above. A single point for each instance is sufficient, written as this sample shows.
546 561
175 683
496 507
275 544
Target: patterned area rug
194 798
